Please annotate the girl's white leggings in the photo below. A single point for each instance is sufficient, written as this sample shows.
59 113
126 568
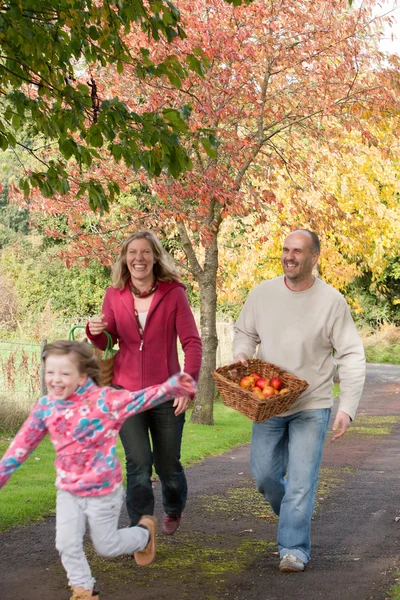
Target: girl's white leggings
102 514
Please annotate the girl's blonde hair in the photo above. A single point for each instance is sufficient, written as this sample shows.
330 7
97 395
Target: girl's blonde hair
163 269
83 354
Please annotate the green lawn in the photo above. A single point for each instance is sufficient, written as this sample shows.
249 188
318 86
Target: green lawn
383 353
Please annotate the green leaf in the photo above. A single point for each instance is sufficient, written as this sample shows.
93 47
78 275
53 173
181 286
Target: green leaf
174 117
174 79
210 149
195 64
94 136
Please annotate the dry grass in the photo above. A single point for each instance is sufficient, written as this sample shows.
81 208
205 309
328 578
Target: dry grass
383 345
20 388
387 334
14 410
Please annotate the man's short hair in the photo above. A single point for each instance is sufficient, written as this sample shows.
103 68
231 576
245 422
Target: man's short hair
316 245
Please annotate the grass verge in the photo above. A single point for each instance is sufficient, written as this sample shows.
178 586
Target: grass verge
381 353
383 344
394 592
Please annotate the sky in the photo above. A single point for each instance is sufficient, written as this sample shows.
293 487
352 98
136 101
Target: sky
387 44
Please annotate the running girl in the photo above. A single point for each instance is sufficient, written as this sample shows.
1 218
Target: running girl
83 421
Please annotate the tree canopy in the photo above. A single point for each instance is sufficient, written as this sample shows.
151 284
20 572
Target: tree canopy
49 53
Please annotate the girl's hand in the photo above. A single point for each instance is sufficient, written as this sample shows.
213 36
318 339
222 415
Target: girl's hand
97 325
181 404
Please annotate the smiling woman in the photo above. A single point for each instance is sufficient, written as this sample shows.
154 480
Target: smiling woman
146 311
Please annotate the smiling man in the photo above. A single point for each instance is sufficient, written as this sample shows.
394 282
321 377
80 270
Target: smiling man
298 322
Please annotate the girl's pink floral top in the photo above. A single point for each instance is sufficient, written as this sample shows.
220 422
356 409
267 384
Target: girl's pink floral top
83 429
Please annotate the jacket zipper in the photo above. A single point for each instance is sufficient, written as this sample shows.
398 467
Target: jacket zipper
142 340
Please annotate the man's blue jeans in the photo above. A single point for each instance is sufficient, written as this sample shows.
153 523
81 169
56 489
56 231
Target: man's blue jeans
165 430
286 454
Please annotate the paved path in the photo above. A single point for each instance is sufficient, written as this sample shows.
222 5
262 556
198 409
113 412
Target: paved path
226 545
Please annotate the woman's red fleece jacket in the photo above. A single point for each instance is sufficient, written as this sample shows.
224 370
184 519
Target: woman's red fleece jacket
169 318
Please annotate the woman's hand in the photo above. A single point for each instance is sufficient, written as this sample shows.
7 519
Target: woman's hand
181 404
97 325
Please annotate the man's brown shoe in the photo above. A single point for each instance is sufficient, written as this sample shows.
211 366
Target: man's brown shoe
147 555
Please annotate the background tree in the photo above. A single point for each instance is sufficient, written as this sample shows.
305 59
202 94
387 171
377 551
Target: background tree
49 49
360 251
276 78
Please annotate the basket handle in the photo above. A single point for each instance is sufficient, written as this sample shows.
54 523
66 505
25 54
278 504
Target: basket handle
110 343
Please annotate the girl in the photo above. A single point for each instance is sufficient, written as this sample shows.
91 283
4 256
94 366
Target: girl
83 421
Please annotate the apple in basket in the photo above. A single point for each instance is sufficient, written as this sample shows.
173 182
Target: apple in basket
247 382
255 375
268 391
261 382
276 383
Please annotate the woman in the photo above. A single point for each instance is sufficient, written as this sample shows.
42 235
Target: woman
146 310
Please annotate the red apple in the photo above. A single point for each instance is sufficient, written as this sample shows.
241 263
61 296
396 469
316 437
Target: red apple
247 382
275 383
255 375
261 382
268 391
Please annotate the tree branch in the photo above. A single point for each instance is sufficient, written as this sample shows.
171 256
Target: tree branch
191 257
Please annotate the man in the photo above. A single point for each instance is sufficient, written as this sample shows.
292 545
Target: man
298 322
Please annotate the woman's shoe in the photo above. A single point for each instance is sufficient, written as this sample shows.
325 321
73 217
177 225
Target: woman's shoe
171 523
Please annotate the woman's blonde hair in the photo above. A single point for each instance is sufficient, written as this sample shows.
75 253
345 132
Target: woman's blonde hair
163 269
86 361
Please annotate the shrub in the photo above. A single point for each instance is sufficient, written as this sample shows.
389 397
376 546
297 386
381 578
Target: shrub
8 305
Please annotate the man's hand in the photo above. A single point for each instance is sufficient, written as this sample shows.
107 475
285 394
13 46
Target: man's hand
181 404
342 422
242 358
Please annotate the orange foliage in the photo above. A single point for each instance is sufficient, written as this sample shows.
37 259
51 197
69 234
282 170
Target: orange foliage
276 74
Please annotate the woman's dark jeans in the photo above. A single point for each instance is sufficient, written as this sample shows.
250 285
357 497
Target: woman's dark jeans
165 430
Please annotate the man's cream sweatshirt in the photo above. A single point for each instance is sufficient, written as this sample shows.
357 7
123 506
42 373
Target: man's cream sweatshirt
301 332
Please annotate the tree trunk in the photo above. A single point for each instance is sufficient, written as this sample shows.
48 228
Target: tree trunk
204 401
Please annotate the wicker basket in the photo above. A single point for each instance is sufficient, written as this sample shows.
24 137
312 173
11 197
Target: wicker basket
227 380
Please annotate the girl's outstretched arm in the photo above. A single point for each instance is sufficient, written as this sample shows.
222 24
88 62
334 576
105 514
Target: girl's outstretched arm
130 403
31 433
